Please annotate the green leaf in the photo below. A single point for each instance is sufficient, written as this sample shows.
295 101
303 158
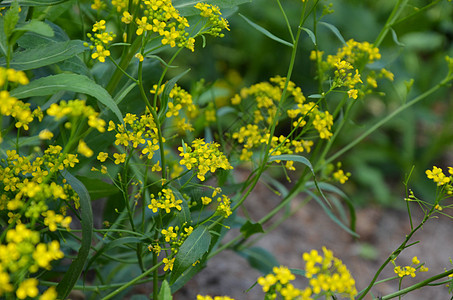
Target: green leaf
395 38
97 188
165 291
35 2
166 93
310 34
75 269
184 214
11 19
45 55
111 244
330 214
249 229
185 277
298 272
297 158
266 32
334 30
260 259
305 161
3 43
193 248
67 82
38 27
123 92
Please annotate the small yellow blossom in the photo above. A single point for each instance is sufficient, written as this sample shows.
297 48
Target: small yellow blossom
45 134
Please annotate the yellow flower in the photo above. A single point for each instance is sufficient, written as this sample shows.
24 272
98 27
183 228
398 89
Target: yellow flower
84 149
45 134
28 288
168 263
119 158
102 156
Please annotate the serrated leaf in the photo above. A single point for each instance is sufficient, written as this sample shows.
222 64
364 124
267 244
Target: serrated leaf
193 248
75 269
165 291
41 56
67 82
310 34
266 32
260 259
250 228
97 188
334 30
38 27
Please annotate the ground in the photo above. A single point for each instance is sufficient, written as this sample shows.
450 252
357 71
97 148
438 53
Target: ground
381 231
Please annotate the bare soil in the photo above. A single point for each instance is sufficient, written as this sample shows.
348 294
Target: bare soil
381 232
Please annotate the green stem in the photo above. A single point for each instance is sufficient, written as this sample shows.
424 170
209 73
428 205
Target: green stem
132 282
388 118
417 285
394 254
286 21
397 10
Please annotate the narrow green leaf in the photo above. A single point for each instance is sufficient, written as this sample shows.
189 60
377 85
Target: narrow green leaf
166 93
310 34
330 214
35 2
75 269
161 60
123 92
111 244
298 272
297 158
11 19
193 248
45 55
334 30
2 36
395 38
67 82
165 291
184 214
305 161
266 32
37 27
185 277
260 259
250 228
97 188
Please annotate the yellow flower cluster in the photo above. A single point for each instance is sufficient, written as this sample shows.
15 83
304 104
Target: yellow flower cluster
11 106
215 23
101 40
410 270
175 236
166 200
328 274
162 18
279 282
77 112
142 134
204 157
351 58
437 175
260 102
340 176
22 255
180 107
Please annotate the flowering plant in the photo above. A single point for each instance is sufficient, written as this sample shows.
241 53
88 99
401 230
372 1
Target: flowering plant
99 113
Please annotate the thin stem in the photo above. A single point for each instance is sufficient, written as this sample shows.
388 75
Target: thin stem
388 118
397 10
417 285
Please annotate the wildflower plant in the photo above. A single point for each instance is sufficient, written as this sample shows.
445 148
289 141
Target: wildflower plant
101 111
